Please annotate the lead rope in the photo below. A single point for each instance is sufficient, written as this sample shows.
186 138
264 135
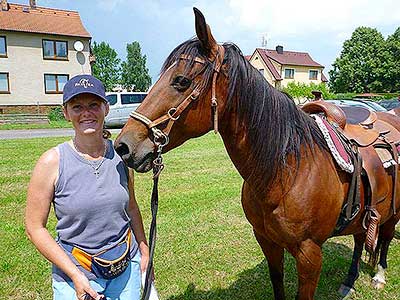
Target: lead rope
158 166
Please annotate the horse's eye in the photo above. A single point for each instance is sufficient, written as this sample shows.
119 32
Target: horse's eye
181 83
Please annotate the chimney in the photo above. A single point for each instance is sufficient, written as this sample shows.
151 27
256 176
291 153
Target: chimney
32 3
4 5
279 49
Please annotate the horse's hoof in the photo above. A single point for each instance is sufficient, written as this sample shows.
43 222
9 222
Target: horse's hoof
378 284
345 291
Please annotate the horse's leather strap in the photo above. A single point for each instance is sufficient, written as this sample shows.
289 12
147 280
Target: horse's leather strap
173 113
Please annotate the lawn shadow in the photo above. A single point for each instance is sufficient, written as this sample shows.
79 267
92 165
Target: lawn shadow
255 283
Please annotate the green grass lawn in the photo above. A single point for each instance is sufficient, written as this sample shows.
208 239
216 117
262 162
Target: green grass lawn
205 247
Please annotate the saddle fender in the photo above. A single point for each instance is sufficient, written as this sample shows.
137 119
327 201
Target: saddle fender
380 181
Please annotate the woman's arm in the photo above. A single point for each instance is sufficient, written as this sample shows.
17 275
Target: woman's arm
39 198
137 223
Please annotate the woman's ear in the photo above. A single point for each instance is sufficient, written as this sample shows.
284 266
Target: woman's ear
65 112
107 109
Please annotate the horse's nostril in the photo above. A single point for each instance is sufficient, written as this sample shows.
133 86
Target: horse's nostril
122 149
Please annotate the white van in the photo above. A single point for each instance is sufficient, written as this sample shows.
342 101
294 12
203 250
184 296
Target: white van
121 105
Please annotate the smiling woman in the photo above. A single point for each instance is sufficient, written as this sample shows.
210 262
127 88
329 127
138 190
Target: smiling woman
92 257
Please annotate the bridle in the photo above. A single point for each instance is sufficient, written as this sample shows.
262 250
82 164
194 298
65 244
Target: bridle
161 137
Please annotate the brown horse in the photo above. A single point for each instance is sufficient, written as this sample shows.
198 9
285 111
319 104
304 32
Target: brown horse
292 192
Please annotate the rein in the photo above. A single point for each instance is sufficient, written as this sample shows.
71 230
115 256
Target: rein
161 139
158 166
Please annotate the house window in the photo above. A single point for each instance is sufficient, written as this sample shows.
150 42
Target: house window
313 74
3 46
54 83
289 73
4 83
55 49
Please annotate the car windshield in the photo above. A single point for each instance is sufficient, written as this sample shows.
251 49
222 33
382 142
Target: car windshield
376 106
366 104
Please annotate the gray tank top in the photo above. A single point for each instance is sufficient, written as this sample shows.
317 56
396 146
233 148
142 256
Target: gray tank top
91 208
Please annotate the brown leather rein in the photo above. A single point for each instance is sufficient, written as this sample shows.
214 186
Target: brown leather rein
161 136
161 139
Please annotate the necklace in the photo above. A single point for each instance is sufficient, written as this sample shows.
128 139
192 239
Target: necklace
95 165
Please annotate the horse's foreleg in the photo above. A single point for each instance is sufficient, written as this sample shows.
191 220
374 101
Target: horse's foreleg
274 255
308 261
386 234
348 285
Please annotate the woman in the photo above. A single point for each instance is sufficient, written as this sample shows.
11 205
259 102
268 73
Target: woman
95 254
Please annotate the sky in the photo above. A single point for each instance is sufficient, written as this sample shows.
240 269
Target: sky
318 27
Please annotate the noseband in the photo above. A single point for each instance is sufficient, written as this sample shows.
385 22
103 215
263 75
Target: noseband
161 137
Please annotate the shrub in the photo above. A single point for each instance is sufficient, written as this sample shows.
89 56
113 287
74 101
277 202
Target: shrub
56 114
344 96
299 90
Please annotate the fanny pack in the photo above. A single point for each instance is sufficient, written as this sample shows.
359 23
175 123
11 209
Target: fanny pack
108 263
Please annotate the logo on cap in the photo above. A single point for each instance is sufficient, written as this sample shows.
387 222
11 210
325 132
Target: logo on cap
84 83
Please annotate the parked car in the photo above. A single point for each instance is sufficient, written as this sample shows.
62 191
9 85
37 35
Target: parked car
121 105
390 103
360 103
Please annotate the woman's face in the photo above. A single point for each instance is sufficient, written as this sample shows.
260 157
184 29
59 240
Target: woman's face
87 113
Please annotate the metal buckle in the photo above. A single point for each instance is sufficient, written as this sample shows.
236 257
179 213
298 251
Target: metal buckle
171 112
160 138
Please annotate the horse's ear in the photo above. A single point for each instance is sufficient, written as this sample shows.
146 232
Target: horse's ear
203 33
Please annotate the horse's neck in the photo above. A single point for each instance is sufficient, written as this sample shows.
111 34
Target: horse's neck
238 148
237 143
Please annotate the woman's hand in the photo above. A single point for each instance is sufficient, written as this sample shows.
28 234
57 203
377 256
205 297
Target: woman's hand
83 289
144 252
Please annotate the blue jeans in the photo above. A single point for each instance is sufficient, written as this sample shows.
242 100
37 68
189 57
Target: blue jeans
124 287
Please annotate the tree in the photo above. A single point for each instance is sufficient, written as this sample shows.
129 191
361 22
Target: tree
392 75
360 65
107 65
135 75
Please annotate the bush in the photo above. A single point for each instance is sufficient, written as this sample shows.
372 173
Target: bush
299 90
345 96
56 114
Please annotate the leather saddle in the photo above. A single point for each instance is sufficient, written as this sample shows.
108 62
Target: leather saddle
363 132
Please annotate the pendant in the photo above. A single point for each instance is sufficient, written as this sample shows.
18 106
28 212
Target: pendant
96 172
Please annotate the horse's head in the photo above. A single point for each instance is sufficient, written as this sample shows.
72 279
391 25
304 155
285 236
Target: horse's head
182 104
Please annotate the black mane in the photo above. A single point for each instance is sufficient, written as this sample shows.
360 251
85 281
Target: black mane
275 126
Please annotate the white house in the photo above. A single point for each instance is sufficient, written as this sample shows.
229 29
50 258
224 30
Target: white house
40 49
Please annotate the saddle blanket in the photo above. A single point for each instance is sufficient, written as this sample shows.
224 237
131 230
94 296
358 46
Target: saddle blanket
334 144
339 152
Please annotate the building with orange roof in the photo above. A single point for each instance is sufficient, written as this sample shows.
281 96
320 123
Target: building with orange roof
280 67
40 49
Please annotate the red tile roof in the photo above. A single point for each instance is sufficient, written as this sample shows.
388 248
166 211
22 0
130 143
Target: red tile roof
287 58
290 58
42 20
269 64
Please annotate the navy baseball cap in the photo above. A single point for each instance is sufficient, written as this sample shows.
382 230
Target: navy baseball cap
83 84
